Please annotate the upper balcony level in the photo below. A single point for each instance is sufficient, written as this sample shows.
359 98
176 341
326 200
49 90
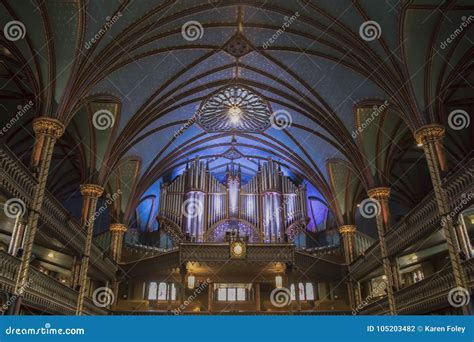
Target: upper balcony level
422 297
43 294
17 181
420 222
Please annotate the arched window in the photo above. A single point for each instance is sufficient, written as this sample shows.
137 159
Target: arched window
240 294
233 292
301 291
152 291
173 292
309 291
162 293
305 291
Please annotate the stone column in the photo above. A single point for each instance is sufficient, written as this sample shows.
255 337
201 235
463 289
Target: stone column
357 294
431 138
47 131
16 242
210 296
258 305
90 195
380 195
117 231
347 233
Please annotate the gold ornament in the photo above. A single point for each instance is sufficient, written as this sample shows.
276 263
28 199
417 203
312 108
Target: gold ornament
429 133
48 126
238 250
379 193
91 190
118 228
347 229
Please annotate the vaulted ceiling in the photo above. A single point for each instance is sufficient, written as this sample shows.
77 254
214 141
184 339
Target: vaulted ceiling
150 65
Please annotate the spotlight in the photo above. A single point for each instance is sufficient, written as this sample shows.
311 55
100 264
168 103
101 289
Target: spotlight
234 114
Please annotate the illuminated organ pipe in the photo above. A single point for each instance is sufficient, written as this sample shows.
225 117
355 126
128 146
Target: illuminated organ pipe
233 187
270 201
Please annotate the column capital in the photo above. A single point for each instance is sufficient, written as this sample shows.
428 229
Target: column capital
379 193
429 133
118 228
347 229
48 126
91 190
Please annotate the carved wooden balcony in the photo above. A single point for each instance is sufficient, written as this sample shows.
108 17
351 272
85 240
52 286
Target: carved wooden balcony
216 252
424 296
54 218
43 292
421 221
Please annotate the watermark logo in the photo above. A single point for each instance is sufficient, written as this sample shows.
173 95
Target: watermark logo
286 24
377 291
103 119
281 119
458 297
188 124
14 207
280 297
14 30
47 329
376 111
370 30
458 119
192 207
103 296
463 202
465 22
13 298
192 297
369 208
192 30
109 199
20 112
109 22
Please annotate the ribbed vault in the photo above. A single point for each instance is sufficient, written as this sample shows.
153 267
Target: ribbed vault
133 61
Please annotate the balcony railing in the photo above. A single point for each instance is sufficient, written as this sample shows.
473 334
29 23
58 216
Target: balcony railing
18 181
423 296
418 223
221 252
43 292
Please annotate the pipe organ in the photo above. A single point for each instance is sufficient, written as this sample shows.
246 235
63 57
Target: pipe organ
197 207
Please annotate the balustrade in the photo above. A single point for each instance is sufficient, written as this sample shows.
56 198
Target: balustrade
42 291
18 181
419 222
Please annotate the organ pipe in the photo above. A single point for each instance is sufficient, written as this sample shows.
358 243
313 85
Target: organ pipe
270 202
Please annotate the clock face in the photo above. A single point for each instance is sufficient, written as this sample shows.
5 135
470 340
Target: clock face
237 250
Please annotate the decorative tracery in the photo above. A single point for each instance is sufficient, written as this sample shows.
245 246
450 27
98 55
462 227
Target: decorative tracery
234 108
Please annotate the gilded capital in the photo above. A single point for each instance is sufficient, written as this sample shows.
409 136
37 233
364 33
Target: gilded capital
429 133
91 190
48 126
380 193
118 228
347 229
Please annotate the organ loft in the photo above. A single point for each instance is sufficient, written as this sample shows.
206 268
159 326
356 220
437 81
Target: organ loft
197 207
